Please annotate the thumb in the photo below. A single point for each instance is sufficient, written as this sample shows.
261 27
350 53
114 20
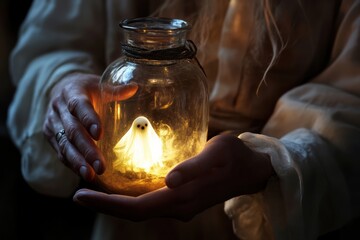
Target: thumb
203 163
116 93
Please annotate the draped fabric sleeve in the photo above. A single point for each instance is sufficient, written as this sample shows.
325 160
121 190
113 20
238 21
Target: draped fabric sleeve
55 39
312 137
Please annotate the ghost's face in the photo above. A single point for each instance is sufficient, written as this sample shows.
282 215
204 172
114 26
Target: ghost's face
141 124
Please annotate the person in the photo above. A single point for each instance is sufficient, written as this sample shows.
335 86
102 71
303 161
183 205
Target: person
284 78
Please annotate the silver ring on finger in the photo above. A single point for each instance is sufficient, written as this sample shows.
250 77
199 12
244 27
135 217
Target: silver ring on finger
60 135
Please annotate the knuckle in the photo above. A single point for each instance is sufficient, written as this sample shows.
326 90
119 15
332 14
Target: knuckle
63 144
87 118
56 102
75 102
89 153
72 131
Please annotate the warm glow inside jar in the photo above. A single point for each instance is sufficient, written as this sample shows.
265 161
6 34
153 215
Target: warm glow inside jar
166 121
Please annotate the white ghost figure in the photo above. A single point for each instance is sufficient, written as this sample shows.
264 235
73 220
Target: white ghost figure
140 149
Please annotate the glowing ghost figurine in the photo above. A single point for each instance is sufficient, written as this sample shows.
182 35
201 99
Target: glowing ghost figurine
140 149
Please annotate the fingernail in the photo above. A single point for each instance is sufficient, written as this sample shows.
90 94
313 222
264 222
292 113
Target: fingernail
94 130
83 172
97 166
174 179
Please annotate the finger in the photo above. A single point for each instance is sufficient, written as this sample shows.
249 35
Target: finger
114 205
211 157
82 152
81 106
51 126
62 146
163 203
74 160
132 208
112 93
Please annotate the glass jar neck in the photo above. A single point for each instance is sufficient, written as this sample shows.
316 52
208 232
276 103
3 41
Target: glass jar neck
154 33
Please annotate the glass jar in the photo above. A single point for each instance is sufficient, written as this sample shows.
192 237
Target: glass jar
166 120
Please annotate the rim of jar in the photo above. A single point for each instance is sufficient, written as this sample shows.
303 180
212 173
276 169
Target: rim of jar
155 24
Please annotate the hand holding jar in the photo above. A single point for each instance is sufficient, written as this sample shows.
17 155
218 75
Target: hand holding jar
224 169
71 124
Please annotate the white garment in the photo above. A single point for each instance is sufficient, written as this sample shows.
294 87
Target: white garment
307 114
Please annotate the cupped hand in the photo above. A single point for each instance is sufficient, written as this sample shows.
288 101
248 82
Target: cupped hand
224 169
71 107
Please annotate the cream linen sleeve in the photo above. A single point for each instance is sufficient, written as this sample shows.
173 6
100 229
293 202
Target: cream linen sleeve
313 139
56 38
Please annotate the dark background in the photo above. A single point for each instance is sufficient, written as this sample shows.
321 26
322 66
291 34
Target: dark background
25 214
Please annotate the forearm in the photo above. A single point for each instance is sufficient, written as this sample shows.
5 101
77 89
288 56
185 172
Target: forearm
312 149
